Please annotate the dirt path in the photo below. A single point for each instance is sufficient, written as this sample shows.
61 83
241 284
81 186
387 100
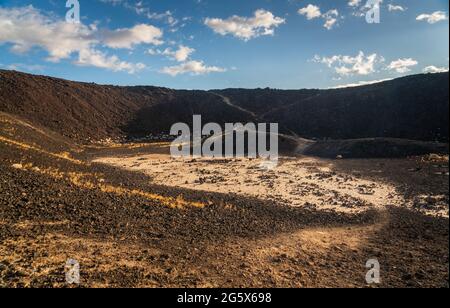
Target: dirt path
227 101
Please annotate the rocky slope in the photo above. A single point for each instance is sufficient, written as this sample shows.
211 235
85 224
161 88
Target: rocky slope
414 107
127 230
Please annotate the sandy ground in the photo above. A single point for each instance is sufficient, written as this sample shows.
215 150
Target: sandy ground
295 181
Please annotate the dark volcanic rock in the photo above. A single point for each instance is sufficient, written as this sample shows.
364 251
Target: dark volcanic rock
414 107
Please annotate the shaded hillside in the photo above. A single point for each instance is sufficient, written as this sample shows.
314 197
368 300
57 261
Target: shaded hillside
373 148
181 107
265 101
414 107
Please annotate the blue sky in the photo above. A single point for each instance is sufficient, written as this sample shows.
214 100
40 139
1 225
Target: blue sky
208 44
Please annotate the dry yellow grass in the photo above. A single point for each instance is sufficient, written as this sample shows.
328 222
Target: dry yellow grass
95 181
25 146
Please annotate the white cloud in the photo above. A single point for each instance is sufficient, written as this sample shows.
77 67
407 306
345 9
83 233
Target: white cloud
354 3
330 19
182 54
311 11
362 65
127 38
433 69
402 65
246 28
433 18
24 67
26 27
140 8
360 83
97 58
192 67
393 8
351 65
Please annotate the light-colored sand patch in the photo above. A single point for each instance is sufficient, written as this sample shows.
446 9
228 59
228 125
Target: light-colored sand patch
297 182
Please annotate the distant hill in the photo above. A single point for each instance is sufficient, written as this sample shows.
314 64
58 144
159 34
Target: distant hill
414 107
